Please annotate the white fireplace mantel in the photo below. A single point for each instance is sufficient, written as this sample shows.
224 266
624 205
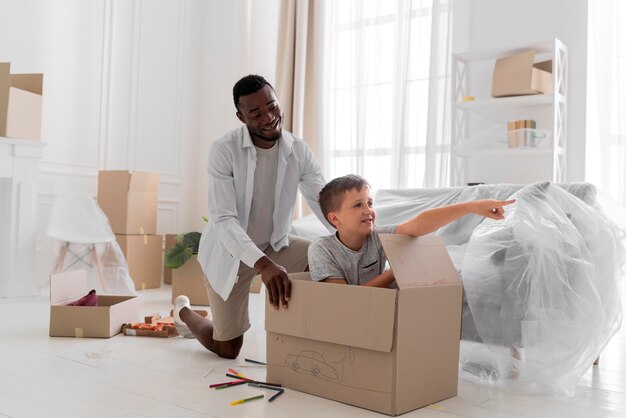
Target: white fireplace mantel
19 172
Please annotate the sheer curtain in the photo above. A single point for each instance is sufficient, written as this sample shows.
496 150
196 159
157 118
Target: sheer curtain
606 98
386 91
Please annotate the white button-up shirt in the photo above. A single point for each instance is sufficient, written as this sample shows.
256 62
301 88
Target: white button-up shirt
231 166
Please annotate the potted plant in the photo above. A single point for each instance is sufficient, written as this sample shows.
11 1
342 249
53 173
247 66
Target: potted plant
187 276
182 251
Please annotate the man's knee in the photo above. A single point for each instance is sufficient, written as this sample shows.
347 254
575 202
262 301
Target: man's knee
229 349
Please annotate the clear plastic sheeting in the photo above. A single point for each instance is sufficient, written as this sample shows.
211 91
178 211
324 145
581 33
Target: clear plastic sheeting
84 240
542 287
542 291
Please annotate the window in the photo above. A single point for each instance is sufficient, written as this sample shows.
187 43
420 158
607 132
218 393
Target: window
387 92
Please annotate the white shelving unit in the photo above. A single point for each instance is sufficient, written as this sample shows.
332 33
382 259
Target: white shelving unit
483 121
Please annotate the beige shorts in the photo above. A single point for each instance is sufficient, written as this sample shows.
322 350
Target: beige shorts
230 317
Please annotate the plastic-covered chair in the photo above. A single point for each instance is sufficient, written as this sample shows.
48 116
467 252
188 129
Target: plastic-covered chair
85 240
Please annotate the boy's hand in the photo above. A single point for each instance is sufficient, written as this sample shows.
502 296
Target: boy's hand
276 282
490 208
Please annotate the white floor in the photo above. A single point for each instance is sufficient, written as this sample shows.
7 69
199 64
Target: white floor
153 377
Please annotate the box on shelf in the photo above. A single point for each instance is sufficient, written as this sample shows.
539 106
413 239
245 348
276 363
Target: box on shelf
144 255
517 75
20 104
129 200
188 280
387 350
103 321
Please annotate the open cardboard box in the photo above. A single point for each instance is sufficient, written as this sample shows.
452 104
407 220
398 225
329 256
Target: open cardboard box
103 321
387 350
20 104
129 200
518 75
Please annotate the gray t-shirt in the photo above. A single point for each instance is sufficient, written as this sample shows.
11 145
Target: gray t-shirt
260 223
330 259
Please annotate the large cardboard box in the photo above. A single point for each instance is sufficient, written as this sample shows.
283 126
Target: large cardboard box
144 255
129 200
518 75
387 350
103 321
170 241
20 104
188 280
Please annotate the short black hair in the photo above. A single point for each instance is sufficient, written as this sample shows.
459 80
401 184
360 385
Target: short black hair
248 85
332 195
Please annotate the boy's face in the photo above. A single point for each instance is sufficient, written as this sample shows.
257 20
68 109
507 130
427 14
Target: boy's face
356 215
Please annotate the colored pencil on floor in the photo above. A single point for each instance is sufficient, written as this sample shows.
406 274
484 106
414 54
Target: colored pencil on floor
240 401
255 361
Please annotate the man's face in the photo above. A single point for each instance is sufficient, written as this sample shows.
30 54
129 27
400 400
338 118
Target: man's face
261 112
356 215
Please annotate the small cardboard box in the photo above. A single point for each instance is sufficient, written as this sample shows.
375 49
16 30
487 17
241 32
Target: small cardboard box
188 280
102 321
20 104
387 350
517 75
129 200
144 255
170 241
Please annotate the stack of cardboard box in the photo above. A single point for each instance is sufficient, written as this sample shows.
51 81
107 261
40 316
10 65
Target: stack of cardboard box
129 199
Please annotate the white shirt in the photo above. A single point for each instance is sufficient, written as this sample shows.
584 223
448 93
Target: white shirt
231 166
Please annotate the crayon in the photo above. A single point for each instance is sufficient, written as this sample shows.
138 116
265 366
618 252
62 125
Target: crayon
240 401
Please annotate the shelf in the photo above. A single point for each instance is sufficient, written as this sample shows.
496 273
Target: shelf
513 101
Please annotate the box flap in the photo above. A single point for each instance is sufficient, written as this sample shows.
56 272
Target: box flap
544 66
419 261
144 182
29 82
67 286
512 75
367 314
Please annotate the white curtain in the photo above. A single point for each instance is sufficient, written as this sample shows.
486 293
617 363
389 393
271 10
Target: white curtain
606 98
386 91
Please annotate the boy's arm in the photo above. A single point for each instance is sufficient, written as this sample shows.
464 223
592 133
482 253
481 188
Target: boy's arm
384 280
432 219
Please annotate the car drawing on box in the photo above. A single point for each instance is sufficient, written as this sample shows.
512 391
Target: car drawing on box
311 362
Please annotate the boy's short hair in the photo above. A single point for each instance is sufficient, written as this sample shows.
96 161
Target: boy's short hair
332 195
248 85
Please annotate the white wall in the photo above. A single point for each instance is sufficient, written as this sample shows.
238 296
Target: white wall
134 84
501 24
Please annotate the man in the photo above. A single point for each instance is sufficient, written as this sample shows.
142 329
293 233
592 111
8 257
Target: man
254 174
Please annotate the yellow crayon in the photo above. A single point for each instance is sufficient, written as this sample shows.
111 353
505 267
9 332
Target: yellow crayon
247 399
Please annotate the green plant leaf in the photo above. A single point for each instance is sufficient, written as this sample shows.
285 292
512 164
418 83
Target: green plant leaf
192 240
177 256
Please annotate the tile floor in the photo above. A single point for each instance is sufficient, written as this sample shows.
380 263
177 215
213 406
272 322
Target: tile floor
152 377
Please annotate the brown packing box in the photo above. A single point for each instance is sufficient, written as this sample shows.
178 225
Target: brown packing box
144 255
517 75
170 241
104 320
188 280
20 104
129 200
387 350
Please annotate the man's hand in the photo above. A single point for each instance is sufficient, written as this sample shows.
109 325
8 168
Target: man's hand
276 282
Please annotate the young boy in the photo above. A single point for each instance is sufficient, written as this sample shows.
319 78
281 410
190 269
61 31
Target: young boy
354 255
